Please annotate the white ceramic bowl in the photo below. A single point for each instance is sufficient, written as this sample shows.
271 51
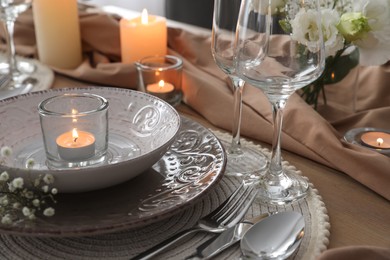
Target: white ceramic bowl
141 129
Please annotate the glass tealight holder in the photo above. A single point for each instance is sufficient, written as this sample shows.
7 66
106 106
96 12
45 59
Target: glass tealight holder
161 76
75 130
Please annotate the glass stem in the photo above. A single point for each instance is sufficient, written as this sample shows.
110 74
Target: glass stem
10 24
238 85
276 157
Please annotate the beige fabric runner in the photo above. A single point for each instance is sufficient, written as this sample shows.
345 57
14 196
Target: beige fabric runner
206 89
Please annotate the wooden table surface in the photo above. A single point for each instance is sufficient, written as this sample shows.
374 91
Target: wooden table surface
358 216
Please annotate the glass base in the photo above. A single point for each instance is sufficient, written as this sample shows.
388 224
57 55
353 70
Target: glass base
247 162
23 67
283 189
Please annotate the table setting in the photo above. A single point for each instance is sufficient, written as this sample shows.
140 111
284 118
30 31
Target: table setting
167 145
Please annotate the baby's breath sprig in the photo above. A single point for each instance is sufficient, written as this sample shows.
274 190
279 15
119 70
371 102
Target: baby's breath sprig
18 201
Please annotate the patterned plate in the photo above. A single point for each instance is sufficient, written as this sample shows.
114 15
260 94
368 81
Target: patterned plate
194 163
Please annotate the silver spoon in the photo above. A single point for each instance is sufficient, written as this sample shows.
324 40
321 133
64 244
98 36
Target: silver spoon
276 237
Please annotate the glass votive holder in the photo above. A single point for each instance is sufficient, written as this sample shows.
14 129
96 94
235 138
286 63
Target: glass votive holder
75 130
161 76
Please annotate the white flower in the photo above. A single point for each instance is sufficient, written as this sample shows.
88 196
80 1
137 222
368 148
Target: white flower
36 202
5 151
48 179
48 212
334 41
30 163
26 211
16 205
54 191
305 29
45 188
4 200
4 176
6 219
374 48
18 183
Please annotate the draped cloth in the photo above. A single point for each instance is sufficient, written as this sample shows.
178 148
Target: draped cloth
317 135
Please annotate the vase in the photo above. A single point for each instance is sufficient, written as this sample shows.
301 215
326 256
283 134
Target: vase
336 89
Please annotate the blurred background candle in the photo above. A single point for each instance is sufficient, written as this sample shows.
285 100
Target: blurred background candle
161 76
378 140
57 32
161 89
143 36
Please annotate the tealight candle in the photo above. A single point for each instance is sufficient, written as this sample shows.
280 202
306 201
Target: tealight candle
377 140
143 36
76 145
160 76
160 88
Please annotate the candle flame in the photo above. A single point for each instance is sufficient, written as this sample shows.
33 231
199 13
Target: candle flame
75 134
161 83
144 17
379 141
74 112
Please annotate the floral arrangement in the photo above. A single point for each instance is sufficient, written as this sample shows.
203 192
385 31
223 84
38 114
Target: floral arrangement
18 202
359 25
355 32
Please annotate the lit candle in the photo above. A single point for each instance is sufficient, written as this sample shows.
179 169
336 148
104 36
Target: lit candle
163 90
377 140
143 36
76 145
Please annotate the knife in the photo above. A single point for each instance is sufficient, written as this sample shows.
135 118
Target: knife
229 237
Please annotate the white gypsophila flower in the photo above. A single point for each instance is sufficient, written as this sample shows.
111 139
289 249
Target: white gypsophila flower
30 163
16 205
49 212
28 194
18 183
4 200
374 48
4 176
6 219
26 211
334 41
45 188
305 29
36 202
5 151
48 179
54 191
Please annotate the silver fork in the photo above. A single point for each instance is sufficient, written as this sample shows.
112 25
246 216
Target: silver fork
225 216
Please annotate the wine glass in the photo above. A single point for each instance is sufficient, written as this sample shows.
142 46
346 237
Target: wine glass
240 160
279 49
16 72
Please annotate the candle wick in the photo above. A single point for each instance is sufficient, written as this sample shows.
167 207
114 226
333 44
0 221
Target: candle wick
75 139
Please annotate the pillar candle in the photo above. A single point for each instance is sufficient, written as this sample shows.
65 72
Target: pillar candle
57 32
143 36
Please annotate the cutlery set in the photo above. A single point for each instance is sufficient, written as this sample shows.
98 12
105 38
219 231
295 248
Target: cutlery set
267 236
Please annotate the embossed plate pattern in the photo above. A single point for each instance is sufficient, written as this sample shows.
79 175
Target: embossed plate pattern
194 163
141 129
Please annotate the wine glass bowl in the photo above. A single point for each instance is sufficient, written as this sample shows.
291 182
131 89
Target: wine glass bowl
279 50
18 72
239 159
